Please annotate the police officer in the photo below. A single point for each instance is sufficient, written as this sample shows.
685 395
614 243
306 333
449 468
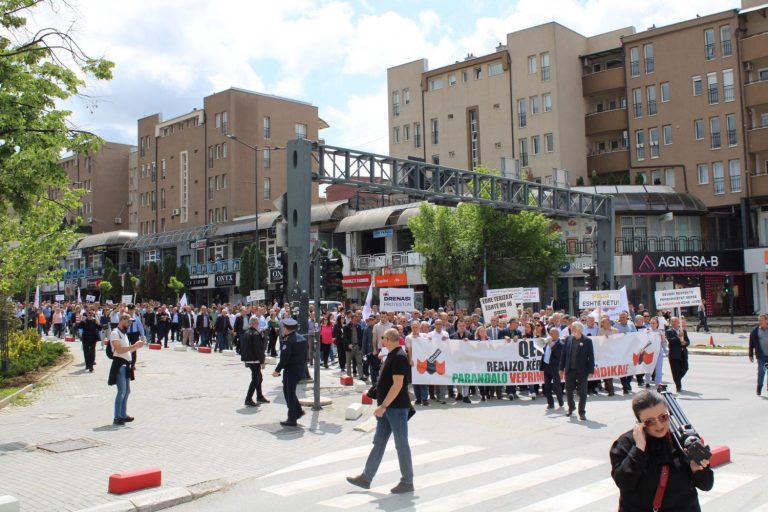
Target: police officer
293 357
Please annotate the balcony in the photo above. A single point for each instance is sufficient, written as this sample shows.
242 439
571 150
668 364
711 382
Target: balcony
756 93
392 259
199 269
606 121
758 185
757 140
754 47
632 245
608 161
602 81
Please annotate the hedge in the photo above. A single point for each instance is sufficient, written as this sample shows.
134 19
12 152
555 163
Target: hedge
28 352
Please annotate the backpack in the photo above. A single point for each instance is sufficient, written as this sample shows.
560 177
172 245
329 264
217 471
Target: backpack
109 352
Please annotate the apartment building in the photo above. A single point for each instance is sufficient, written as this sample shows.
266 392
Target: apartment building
191 172
102 175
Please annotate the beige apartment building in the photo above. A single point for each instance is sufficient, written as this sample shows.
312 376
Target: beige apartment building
102 175
190 173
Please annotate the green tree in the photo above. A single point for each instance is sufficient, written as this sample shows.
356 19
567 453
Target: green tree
246 271
150 282
433 233
167 271
260 284
105 287
176 286
111 275
182 274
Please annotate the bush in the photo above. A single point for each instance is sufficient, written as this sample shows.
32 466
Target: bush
28 352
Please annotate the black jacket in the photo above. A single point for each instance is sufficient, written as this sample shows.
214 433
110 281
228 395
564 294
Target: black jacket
585 357
199 322
554 357
222 324
293 355
348 335
676 348
338 334
637 475
186 320
252 346
754 343
90 331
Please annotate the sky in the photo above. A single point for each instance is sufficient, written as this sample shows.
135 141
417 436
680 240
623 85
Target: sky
170 54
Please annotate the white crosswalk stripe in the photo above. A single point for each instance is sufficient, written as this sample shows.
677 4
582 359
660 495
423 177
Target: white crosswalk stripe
576 498
318 482
432 479
725 483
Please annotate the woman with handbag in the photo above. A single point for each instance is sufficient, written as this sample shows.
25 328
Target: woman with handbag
650 470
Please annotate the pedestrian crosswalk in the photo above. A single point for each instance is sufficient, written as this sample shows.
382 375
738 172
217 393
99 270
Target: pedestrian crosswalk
471 477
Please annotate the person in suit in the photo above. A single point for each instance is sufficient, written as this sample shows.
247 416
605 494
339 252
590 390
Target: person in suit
353 344
677 343
187 323
252 348
578 362
203 326
758 347
222 327
550 364
90 327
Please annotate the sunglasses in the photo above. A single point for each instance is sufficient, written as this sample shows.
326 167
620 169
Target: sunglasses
650 422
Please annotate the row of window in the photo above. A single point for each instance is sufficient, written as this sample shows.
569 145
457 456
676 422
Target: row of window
406 133
535 146
85 210
718 176
168 130
221 121
714 131
536 106
216 152
713 91
437 83
217 215
219 182
650 93
533 62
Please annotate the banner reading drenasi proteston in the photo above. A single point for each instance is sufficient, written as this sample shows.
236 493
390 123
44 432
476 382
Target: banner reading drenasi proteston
501 363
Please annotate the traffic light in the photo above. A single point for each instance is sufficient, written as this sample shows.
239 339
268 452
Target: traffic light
331 277
590 279
728 285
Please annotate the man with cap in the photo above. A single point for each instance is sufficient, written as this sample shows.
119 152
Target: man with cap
252 354
293 361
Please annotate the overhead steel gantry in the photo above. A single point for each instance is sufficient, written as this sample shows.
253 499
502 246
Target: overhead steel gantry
310 161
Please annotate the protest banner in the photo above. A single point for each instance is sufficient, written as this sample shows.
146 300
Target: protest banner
127 299
502 305
612 302
90 298
521 295
499 363
678 297
59 297
396 299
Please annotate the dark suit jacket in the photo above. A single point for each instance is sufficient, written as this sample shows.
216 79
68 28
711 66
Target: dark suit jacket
186 320
199 322
554 358
754 343
585 356
676 348
348 335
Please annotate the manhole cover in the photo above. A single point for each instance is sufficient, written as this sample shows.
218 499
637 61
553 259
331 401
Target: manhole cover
12 447
54 416
70 445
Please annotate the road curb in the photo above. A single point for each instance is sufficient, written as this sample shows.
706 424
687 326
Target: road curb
163 498
718 352
29 387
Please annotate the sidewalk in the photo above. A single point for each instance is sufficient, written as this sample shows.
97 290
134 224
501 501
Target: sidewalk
190 422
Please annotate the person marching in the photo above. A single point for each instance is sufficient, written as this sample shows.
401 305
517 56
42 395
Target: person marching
121 371
578 362
252 354
293 357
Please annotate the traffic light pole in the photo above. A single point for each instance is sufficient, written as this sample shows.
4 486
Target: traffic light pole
730 306
317 265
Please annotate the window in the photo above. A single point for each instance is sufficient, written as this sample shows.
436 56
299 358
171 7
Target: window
762 74
664 92
545 67
734 175
406 132
184 187
217 151
267 188
154 201
435 84
656 177
698 129
464 76
728 91
223 181
417 135
718 178
218 215
532 65
640 144
712 88
267 130
549 142
637 99
730 125
211 218
534 105
709 44
521 113
703 172
162 199
725 40
435 132
763 120
651 92
396 103
407 96
452 79
547 100
218 182
267 158
669 177
536 145
474 139
396 134
495 68
224 122
696 83
217 117
301 131
714 131
210 156
210 188
224 215
653 139
523 152
478 73
224 150
648 52
667 129
154 171
634 61
163 169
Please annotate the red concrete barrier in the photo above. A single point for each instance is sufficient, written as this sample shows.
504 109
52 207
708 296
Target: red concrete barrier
720 455
204 350
127 481
346 380
70 339
155 346
366 399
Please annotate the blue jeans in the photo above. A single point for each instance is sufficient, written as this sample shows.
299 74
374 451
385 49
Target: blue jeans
421 391
761 362
221 341
204 334
394 421
123 390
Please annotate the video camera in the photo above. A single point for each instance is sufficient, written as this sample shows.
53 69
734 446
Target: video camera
685 436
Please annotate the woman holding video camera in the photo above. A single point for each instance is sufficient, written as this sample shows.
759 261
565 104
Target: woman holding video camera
651 471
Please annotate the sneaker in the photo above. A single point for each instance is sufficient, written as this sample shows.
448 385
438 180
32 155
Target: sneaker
466 400
401 488
118 421
359 481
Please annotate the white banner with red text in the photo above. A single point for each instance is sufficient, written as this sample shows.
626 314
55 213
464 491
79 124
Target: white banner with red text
502 363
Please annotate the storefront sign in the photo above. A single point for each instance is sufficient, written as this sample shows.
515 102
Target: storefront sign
75 254
678 297
391 280
655 263
198 244
383 233
275 275
198 282
225 279
356 281
396 299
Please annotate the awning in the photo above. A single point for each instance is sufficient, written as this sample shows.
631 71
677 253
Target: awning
170 238
266 221
374 218
328 211
107 239
402 220
651 199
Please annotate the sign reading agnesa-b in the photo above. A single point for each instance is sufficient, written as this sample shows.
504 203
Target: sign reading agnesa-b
396 299
655 263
